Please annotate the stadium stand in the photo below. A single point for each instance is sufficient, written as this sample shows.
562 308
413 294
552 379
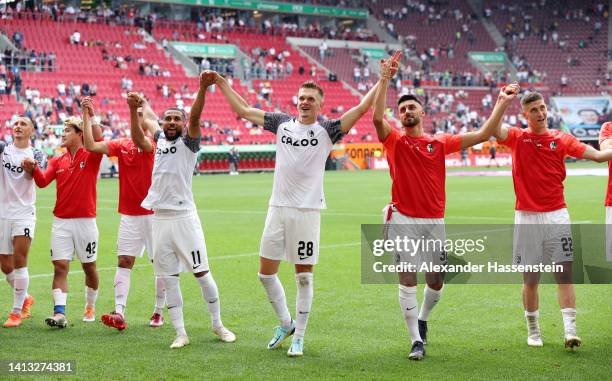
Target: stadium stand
119 50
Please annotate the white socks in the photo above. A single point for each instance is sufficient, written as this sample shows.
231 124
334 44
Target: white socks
569 321
175 303
276 296
303 302
122 289
160 295
10 279
533 323
211 296
91 295
59 301
409 305
430 299
21 282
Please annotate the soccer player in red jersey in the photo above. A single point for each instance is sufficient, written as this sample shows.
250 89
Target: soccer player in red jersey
541 217
417 166
605 142
74 227
135 230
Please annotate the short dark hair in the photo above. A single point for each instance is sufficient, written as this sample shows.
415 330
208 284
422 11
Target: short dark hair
176 109
312 85
409 97
531 97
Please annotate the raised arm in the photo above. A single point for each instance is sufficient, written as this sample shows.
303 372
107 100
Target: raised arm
149 118
206 80
382 127
88 140
506 95
237 103
349 118
96 131
138 137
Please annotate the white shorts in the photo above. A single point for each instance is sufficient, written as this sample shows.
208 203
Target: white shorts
542 238
609 233
431 230
291 234
14 228
74 235
178 243
135 235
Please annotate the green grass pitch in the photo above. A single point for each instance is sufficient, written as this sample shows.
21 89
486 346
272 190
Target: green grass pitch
355 331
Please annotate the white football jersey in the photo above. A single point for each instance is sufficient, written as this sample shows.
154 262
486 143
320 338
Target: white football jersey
301 153
172 174
17 190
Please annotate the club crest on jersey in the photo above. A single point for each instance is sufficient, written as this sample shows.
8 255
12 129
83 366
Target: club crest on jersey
311 134
430 148
553 145
82 165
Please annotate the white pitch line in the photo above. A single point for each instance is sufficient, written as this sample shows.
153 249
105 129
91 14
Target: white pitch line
232 256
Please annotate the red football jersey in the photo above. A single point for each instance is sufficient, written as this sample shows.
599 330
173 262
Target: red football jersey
418 172
135 169
538 167
606 133
76 183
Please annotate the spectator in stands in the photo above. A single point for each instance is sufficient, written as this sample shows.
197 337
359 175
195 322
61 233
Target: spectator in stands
564 80
3 89
28 95
75 38
357 74
61 89
18 82
322 50
18 40
85 90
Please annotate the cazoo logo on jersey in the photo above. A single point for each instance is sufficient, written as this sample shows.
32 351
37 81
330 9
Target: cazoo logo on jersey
13 168
166 150
310 141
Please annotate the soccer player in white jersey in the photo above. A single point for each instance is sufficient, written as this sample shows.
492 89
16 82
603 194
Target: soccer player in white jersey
135 231
17 216
178 239
292 227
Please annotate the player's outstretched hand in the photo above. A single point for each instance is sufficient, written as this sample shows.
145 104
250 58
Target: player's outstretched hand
87 105
389 67
134 100
208 78
509 92
28 164
395 60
